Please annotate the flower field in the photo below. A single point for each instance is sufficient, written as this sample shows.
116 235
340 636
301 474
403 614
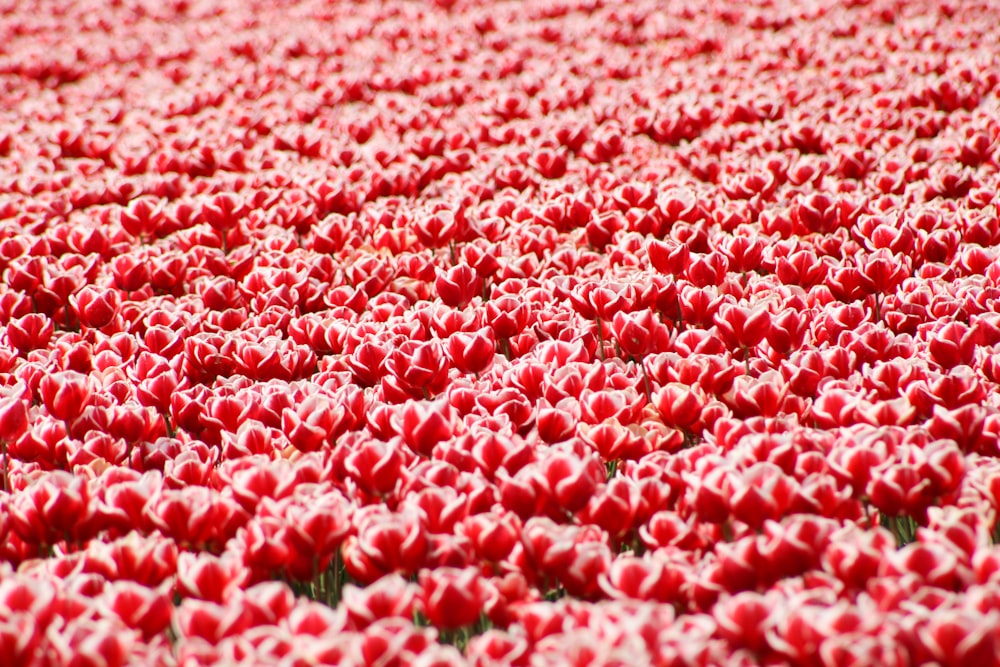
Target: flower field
541 333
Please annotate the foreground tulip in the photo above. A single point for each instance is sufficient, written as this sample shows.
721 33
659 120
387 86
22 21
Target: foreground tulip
458 285
385 543
471 352
315 422
507 315
389 597
208 577
419 368
453 598
13 424
375 466
680 406
639 333
314 529
54 507
571 480
640 579
30 332
425 424
65 394
744 620
743 327
92 643
144 609
95 308
492 536
156 391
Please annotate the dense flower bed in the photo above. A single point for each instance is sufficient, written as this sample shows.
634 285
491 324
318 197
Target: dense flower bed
569 332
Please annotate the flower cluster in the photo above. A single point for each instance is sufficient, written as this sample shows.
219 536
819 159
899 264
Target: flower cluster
570 332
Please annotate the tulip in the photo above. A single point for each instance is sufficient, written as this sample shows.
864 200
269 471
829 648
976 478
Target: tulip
679 405
453 598
639 334
572 481
156 391
55 507
95 308
507 316
30 332
385 543
314 530
669 257
389 597
424 425
471 352
617 508
458 285
745 619
639 579
375 466
951 345
419 368
493 536
743 327
13 424
957 636
144 609
438 229
65 394
707 269
765 492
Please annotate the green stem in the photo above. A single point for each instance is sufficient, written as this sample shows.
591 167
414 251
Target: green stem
727 532
646 384
170 427
337 578
689 440
600 338
868 511
317 584
902 527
